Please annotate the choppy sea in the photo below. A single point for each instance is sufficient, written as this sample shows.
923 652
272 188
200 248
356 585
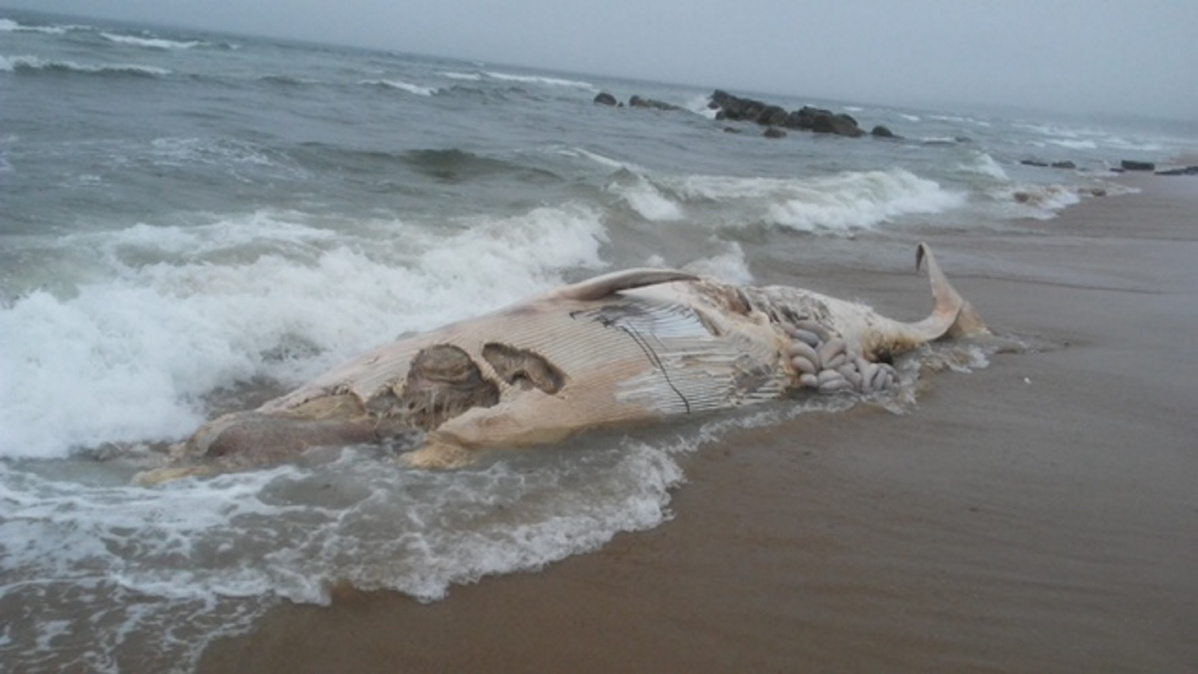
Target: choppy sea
192 222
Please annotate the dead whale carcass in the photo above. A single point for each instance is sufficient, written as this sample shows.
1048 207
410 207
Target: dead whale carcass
630 346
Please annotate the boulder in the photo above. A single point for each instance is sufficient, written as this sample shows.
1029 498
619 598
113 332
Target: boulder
841 125
774 132
880 131
804 118
772 115
1064 164
638 102
735 108
604 98
821 120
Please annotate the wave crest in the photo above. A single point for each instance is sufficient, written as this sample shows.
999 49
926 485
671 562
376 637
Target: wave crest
399 85
191 309
34 65
838 203
150 42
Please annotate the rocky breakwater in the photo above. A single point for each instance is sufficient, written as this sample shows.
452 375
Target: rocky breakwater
774 118
604 98
807 118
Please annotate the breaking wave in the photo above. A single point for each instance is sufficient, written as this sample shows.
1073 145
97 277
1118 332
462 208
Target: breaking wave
33 64
402 86
151 42
188 310
838 203
540 80
10 26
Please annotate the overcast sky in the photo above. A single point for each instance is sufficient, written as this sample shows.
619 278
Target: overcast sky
1123 56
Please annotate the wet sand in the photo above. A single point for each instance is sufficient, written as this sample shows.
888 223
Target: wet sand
1039 515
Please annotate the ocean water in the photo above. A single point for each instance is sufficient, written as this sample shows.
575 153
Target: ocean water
192 222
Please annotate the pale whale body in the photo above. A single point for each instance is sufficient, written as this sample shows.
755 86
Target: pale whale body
627 347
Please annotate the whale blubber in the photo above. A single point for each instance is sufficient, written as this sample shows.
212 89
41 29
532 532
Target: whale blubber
523 367
442 383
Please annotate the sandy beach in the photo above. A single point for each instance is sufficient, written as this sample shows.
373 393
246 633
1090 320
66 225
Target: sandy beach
1038 515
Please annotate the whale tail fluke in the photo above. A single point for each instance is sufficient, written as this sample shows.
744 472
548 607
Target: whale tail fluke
951 315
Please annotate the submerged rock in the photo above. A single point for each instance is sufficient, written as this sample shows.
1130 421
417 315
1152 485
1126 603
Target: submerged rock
1181 171
638 102
1039 163
1132 165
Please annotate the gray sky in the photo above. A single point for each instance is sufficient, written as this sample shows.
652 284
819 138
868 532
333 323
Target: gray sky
1123 56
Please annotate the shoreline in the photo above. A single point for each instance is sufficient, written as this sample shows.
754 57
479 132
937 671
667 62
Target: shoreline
1035 515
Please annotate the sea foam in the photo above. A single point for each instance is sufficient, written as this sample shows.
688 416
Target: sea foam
984 164
10 26
151 43
186 311
837 203
540 80
35 64
109 565
648 201
402 86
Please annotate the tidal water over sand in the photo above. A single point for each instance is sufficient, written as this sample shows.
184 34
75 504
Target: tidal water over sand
193 222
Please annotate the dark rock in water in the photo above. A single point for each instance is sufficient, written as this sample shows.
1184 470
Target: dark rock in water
880 131
772 115
731 129
604 98
804 118
1182 171
1043 164
820 120
807 119
735 108
638 102
841 125
774 132
799 119
1130 165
